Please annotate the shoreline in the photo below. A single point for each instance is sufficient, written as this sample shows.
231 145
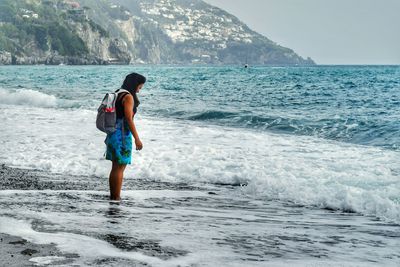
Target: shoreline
73 223
16 252
13 178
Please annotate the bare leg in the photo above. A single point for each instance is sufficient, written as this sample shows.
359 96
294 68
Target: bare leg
116 178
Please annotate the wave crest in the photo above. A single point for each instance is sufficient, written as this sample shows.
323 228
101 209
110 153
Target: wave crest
27 97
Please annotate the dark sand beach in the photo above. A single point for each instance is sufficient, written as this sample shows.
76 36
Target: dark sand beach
66 220
18 252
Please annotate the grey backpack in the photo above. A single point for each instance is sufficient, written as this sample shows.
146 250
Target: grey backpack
107 114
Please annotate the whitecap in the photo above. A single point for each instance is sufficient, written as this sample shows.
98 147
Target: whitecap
27 97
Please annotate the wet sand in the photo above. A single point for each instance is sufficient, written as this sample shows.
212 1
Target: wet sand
167 224
18 252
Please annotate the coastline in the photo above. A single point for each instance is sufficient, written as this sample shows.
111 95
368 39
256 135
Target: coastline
16 252
70 221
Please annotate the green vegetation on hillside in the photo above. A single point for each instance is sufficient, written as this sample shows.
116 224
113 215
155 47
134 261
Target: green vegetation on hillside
27 24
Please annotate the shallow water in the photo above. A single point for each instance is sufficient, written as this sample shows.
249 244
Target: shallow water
206 226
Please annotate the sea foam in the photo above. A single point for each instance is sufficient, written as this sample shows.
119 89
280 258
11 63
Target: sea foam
27 97
303 170
82 245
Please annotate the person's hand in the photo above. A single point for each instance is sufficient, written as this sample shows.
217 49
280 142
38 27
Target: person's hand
138 144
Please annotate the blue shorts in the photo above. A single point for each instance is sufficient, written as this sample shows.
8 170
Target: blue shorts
119 149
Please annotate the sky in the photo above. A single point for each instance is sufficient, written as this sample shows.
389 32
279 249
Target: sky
328 31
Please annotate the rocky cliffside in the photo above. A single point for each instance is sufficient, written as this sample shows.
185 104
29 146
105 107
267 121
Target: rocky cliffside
55 32
131 31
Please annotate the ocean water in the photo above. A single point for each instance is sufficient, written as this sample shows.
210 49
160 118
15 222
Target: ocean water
305 162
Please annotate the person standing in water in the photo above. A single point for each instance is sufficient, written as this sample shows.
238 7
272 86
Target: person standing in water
119 143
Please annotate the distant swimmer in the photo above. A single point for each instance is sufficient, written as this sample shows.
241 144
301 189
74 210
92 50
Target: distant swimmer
119 143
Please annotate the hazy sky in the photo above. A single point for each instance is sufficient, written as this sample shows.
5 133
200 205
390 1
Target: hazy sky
328 31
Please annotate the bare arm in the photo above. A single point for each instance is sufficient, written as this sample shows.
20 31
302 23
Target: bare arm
128 103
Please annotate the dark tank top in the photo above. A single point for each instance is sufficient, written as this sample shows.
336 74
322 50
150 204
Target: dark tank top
120 108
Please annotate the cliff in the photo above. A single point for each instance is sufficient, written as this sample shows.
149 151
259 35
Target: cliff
131 31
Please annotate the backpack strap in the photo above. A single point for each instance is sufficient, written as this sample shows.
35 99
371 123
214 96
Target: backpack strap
122 92
123 95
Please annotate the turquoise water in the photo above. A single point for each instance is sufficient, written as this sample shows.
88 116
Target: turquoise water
240 167
356 104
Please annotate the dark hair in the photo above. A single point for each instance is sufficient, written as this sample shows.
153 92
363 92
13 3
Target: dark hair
131 82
